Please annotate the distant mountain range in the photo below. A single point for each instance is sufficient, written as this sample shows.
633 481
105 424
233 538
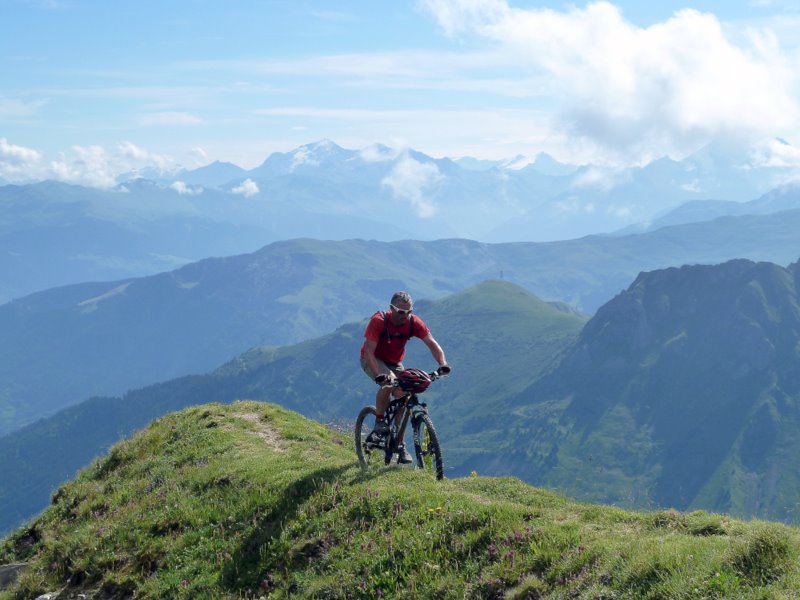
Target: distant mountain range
785 197
105 338
519 199
682 391
54 234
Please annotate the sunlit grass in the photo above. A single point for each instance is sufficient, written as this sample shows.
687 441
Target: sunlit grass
252 500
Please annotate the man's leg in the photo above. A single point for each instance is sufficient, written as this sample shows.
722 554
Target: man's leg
382 396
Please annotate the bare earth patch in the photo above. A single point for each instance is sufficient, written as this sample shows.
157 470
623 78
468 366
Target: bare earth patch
263 431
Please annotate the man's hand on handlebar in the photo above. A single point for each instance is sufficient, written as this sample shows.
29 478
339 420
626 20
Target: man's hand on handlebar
443 370
382 379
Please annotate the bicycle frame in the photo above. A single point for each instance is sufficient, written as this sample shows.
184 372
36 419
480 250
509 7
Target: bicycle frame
410 404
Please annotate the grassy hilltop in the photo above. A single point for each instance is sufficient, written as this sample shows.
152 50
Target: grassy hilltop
253 500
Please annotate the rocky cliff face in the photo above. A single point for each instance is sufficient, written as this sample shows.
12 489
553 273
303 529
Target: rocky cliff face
740 316
686 388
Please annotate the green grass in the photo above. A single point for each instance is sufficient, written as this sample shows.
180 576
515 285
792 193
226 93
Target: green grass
250 500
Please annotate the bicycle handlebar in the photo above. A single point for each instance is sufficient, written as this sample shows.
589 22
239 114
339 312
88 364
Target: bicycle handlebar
395 381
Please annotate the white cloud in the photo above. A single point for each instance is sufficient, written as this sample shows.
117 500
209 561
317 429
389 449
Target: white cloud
573 205
94 166
621 212
303 157
641 92
693 186
16 109
775 153
461 15
605 179
133 156
199 155
170 118
18 162
405 65
89 166
412 181
186 190
12 153
248 188
378 153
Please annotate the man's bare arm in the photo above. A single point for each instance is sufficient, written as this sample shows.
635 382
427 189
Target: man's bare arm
435 348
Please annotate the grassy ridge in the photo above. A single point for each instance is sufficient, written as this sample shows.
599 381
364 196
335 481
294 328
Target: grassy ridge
252 500
319 378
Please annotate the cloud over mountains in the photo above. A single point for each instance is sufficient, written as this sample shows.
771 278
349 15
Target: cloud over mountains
635 91
412 181
614 84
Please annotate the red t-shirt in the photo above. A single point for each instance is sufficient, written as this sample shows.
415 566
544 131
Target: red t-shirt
392 349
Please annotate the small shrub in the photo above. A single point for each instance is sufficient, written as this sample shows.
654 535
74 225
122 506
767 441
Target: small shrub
704 524
668 519
763 555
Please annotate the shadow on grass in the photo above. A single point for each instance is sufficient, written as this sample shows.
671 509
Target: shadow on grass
246 572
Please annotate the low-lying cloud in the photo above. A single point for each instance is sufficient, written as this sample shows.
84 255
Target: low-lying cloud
17 161
414 182
93 166
248 188
186 190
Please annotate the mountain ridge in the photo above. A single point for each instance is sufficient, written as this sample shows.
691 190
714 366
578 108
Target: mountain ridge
143 226
251 499
297 289
682 388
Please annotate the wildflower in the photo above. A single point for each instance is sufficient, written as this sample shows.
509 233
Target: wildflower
473 474
510 558
492 551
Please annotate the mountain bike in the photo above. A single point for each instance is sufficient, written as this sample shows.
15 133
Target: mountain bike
427 449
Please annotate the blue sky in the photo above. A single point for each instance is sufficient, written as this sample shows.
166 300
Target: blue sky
90 88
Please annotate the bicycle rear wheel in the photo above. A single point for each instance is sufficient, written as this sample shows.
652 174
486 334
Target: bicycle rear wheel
364 424
427 447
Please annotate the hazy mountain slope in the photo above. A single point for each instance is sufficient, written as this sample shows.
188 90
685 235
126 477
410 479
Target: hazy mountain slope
683 390
54 234
106 339
215 174
786 197
497 336
251 500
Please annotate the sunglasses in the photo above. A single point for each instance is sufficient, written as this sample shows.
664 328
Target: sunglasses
402 311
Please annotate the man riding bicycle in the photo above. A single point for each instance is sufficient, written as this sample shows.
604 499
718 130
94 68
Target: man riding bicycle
383 351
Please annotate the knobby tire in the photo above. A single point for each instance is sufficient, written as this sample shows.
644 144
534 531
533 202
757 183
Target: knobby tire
362 431
427 446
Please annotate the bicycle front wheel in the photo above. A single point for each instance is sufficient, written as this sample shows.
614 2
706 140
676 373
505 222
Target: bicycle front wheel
427 447
364 423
